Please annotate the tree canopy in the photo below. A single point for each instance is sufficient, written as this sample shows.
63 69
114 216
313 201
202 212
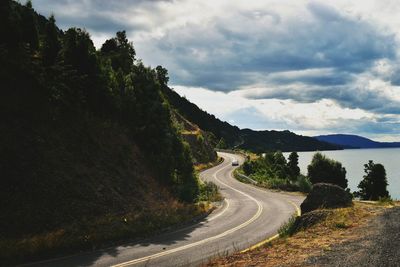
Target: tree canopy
293 164
325 170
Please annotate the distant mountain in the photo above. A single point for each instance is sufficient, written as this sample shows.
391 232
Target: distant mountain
233 137
355 141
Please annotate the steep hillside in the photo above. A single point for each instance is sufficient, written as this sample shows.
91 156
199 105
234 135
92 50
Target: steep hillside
206 121
201 143
355 141
89 151
256 141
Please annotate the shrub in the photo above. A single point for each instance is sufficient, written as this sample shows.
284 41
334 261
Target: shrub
304 184
288 228
209 192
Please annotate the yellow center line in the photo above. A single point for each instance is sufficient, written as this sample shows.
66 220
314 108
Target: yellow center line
298 211
230 231
222 212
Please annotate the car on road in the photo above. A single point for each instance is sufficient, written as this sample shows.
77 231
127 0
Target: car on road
235 162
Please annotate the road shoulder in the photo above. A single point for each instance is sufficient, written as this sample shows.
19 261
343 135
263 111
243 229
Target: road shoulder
335 237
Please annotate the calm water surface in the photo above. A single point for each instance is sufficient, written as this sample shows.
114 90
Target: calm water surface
354 159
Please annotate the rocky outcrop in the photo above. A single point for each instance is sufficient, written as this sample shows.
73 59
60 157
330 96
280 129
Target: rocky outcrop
327 196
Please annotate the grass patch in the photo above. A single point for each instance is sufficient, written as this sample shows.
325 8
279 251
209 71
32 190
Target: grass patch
288 228
203 166
386 201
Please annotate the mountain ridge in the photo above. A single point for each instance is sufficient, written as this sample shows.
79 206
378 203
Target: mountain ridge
234 137
355 141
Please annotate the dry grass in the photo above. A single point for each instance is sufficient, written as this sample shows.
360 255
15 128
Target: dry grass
203 166
341 225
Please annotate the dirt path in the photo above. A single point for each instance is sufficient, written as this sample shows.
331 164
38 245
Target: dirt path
378 245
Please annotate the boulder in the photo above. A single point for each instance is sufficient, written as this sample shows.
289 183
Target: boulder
309 219
327 196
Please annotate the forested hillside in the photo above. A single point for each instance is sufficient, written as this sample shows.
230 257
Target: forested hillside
232 137
89 147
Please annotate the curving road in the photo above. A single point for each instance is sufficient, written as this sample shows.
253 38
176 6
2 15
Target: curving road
248 216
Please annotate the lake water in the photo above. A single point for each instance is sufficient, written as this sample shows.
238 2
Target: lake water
354 159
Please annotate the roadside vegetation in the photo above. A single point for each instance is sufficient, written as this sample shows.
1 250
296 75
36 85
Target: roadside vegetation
273 171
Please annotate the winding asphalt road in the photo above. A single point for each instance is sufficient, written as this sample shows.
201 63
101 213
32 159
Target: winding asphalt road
248 216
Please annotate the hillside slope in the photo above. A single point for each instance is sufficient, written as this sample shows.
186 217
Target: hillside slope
89 151
256 141
355 141
201 143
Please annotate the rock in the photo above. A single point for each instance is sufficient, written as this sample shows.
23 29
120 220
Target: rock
326 196
309 219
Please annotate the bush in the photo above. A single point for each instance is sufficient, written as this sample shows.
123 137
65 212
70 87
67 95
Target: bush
304 184
325 170
209 191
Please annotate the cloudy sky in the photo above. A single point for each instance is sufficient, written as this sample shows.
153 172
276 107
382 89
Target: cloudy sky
313 67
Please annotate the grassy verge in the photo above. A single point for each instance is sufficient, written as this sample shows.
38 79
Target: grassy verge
338 226
203 166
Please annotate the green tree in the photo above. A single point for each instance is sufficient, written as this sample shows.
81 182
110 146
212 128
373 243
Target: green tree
79 52
221 144
162 75
29 27
325 170
374 184
120 51
293 165
247 167
51 44
279 166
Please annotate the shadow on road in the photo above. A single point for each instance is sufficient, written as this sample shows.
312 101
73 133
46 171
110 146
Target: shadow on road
101 257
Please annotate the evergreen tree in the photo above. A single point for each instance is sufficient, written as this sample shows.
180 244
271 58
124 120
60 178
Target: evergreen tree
374 184
162 75
120 51
51 44
29 27
293 165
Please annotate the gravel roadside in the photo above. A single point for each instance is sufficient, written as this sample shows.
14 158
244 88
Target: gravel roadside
378 245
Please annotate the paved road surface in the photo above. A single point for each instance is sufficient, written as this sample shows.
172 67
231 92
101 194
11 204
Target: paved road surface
247 216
